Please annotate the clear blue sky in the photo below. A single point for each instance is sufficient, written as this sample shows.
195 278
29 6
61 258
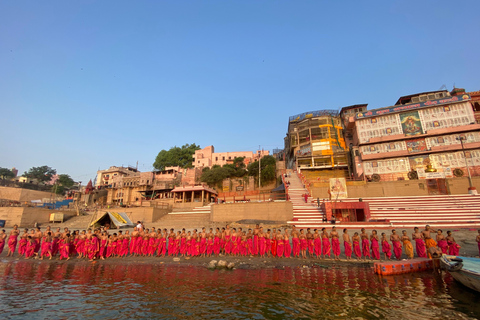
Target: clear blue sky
89 84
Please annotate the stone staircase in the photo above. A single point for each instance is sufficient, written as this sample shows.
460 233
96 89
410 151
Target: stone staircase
74 223
461 211
197 218
301 210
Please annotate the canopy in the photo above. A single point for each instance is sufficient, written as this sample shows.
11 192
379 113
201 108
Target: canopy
114 219
280 188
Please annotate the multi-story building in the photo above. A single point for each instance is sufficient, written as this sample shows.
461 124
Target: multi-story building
207 157
422 136
104 177
315 140
128 189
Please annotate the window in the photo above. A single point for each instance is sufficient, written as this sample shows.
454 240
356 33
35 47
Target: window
216 158
223 158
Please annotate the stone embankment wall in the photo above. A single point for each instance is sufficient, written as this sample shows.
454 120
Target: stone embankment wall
396 188
145 214
26 217
21 195
272 211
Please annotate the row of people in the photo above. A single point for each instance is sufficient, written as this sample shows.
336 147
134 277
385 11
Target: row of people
145 242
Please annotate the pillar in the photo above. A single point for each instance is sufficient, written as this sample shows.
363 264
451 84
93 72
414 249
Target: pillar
183 199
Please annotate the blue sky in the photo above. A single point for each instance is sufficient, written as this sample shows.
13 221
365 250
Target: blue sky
86 85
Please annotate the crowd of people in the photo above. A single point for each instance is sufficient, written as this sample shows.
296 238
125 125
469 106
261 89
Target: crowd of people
100 243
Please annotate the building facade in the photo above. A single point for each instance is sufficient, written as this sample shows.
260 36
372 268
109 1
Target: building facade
104 177
315 140
207 157
426 135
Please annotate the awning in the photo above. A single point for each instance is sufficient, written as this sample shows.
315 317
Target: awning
115 219
194 188
280 188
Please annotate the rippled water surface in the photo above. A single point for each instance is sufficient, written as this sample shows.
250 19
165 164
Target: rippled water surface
33 289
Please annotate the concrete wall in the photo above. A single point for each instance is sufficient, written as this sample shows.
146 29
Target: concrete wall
27 217
273 211
186 206
19 194
397 188
11 215
144 214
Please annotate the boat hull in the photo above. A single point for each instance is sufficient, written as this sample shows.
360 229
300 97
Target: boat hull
468 274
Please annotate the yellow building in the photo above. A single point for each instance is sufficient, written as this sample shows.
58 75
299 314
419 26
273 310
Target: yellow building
315 141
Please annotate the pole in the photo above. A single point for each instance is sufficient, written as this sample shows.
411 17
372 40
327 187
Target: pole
259 167
466 162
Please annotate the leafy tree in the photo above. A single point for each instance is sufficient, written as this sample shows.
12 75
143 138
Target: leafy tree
6 173
240 167
65 180
176 156
42 174
215 175
268 169
57 189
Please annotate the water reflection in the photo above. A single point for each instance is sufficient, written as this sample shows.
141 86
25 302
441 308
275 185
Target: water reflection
123 291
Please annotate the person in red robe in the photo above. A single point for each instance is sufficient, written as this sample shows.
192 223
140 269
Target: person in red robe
12 241
22 244
356 245
386 248
3 236
442 242
268 243
317 243
453 247
94 247
375 246
47 247
327 248
347 244
419 243
280 244
365 244
397 245
30 250
335 243
478 241
274 242
286 244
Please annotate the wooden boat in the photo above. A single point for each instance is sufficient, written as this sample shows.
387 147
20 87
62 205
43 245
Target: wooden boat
465 270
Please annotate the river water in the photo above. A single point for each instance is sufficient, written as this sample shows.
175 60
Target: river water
58 290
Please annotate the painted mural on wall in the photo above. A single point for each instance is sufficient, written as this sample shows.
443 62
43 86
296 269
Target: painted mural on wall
338 188
411 124
419 161
416 145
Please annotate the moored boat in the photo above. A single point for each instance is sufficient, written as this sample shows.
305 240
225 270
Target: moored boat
465 270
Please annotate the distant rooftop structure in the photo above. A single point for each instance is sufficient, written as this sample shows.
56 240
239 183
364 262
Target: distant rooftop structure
312 114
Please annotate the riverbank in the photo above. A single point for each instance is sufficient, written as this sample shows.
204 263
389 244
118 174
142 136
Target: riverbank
238 262
466 238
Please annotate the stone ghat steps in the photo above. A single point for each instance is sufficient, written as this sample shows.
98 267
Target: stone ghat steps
188 220
77 222
406 212
383 225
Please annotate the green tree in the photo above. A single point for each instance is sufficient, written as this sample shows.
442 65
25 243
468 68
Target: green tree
268 166
42 174
57 189
240 167
65 180
176 156
6 173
